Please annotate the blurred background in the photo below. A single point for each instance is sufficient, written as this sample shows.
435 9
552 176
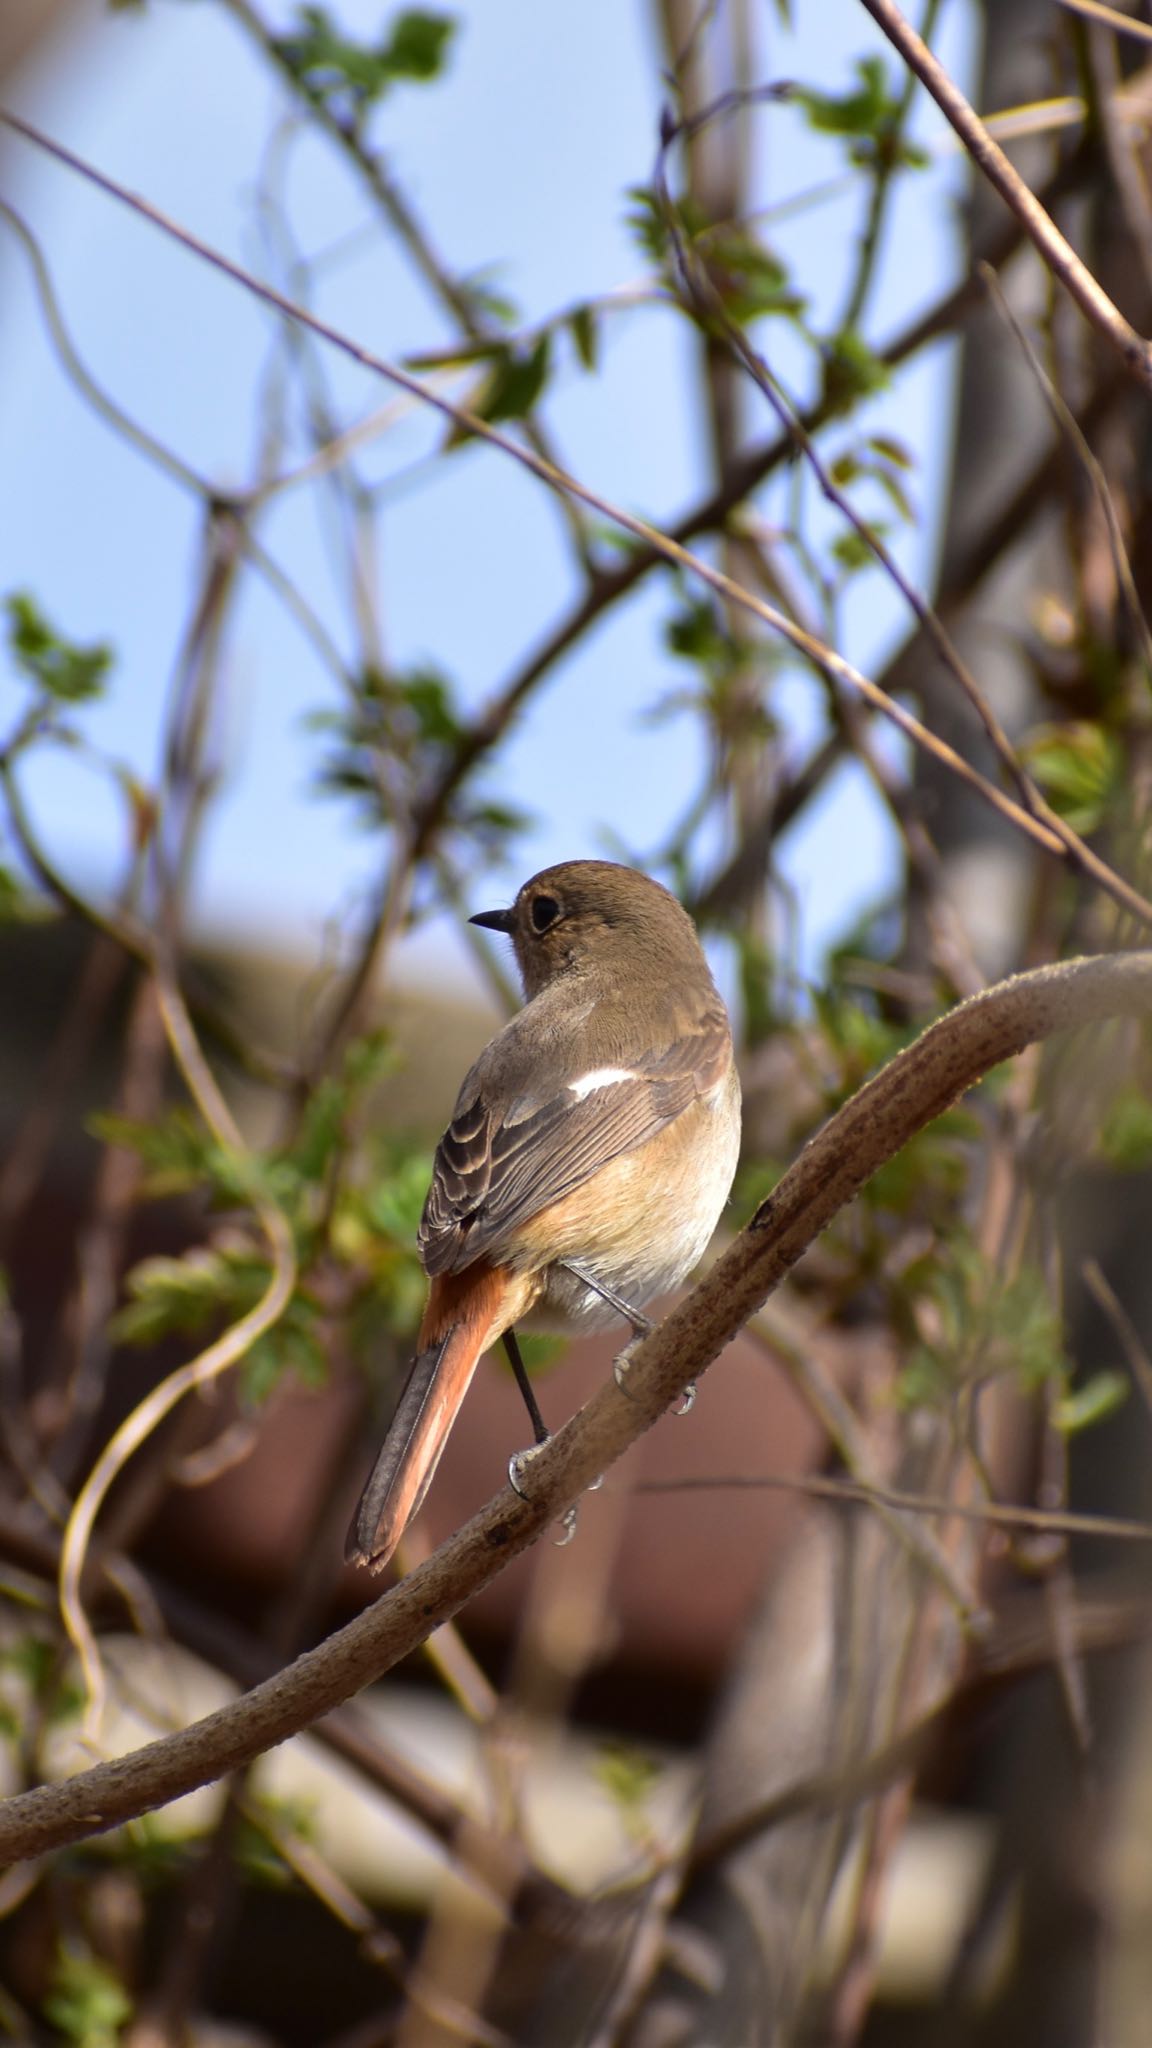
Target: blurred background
295 675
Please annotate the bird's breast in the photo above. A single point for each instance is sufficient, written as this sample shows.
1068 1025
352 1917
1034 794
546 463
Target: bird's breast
640 1224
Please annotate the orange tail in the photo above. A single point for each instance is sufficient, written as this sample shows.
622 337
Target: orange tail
462 1318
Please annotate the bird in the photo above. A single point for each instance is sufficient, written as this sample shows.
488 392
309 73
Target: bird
589 1156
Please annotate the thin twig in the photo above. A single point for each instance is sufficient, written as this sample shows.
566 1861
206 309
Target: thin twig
1069 426
858 1493
708 515
1121 145
132 935
713 311
1131 1342
215 1360
1054 837
837 1419
883 169
1056 252
401 214
1124 24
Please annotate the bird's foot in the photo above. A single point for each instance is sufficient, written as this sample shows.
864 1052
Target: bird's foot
623 1360
620 1366
516 1466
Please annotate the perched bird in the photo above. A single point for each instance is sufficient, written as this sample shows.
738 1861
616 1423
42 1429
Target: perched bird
590 1152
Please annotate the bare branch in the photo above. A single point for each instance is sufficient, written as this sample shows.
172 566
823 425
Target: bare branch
915 1087
1057 253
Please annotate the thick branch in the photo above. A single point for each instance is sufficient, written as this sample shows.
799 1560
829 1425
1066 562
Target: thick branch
914 1088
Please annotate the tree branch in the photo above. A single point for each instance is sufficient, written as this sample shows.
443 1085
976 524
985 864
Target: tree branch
1054 839
1059 255
918 1085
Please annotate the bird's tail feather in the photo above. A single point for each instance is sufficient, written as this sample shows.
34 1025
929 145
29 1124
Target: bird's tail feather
437 1383
465 1312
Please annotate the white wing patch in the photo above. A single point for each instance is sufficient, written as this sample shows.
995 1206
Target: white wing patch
600 1077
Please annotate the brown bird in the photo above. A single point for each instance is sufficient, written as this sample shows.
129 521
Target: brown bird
591 1150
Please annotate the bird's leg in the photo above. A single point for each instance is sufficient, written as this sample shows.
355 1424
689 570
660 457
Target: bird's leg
540 1429
641 1327
541 1432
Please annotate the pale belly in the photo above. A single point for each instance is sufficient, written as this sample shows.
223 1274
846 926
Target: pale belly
638 1240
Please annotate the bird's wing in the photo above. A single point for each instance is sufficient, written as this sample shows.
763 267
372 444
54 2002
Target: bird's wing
528 1129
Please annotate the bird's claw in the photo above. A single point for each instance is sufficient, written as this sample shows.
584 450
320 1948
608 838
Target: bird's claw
516 1464
620 1367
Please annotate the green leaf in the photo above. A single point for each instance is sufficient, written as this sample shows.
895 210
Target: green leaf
86 2002
695 633
37 1662
628 1776
345 74
858 1036
852 549
179 1154
757 985
1077 765
173 1297
254 1846
852 371
395 734
487 300
369 1058
893 490
859 112
15 905
328 63
987 1326
868 117
891 451
582 326
291 1348
34 1659
1126 1135
418 45
1082 1406
428 696
210 1287
515 383
321 1132
396 1203
751 280
61 668
645 220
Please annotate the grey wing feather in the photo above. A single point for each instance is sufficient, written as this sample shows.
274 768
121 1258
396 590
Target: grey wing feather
494 1170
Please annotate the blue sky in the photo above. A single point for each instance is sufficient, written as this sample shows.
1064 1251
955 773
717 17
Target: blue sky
523 155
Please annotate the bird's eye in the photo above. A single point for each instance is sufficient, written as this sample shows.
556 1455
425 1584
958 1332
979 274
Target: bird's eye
545 911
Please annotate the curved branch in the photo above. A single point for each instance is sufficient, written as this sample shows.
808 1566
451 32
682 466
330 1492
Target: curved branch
918 1085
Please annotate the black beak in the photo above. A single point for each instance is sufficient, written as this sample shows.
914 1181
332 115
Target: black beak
494 920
